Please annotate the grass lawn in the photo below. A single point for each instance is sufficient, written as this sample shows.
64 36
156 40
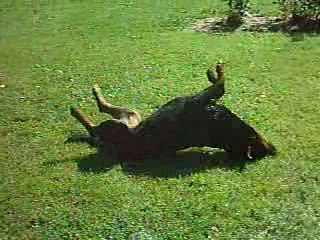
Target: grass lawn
140 53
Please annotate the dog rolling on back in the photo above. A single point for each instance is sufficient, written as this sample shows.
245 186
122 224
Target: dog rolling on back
191 121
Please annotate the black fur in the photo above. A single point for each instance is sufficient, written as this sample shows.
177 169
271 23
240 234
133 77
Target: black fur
181 123
191 121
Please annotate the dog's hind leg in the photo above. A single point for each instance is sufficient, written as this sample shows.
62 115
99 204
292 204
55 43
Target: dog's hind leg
128 117
217 75
79 115
215 91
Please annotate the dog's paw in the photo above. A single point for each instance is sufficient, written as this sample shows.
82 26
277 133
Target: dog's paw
96 90
211 76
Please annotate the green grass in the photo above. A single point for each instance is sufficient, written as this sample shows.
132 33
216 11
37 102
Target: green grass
51 55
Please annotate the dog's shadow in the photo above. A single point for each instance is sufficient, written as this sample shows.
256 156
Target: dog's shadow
184 163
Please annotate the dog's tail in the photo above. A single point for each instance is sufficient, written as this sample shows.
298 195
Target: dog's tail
83 138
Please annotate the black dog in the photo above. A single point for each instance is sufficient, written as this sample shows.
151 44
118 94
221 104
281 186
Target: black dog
192 121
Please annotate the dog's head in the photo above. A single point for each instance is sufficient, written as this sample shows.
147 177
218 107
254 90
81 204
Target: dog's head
258 148
238 137
251 148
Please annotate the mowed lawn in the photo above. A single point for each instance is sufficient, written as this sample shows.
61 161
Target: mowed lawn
142 54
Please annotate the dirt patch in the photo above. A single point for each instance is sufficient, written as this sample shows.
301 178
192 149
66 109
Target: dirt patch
255 24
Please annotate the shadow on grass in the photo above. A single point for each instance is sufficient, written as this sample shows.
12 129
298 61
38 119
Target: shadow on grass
183 164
